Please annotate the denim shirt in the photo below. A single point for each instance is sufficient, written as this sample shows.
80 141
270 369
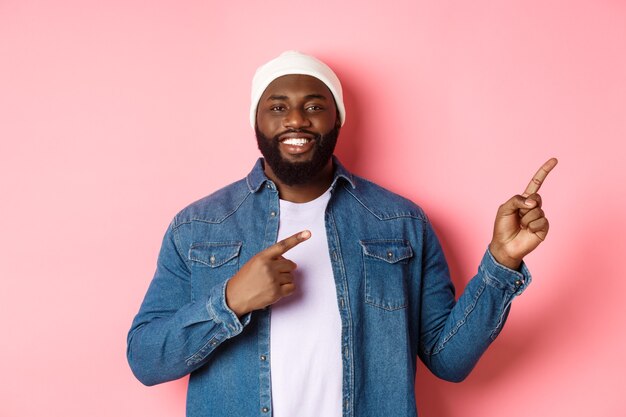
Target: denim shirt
394 296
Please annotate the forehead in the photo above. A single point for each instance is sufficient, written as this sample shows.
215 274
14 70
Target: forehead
296 85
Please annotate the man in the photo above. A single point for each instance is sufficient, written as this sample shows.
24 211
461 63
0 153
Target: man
303 290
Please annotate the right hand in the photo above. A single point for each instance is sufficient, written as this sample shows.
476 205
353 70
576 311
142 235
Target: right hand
265 278
521 224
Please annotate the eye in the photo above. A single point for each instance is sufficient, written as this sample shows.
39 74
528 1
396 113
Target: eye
314 108
277 108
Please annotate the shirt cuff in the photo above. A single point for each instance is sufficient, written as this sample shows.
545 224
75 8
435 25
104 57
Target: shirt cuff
500 276
221 313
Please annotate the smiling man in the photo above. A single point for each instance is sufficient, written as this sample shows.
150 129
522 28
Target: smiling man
297 125
304 290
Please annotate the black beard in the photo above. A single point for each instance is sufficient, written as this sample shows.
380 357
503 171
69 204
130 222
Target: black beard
297 173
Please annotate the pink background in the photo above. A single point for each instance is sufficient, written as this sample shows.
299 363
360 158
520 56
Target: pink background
114 115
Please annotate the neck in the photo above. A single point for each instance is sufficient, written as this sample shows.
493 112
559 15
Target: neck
303 193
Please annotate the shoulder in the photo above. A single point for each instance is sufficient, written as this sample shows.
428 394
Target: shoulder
381 202
215 207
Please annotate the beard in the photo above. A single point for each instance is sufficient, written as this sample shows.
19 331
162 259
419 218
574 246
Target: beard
297 173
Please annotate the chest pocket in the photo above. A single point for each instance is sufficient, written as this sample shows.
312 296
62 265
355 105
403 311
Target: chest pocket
386 266
212 263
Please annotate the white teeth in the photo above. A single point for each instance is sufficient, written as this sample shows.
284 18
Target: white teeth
296 141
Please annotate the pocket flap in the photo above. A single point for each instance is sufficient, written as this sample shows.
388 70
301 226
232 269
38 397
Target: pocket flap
214 254
388 250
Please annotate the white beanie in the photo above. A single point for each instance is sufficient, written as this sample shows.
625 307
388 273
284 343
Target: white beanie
293 62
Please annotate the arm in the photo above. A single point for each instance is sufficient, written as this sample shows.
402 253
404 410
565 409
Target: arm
454 335
171 335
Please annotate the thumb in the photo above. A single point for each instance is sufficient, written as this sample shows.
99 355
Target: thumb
515 204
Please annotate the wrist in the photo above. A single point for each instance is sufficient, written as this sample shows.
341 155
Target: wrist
503 258
233 302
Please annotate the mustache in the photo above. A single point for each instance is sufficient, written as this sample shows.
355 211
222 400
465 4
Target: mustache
308 132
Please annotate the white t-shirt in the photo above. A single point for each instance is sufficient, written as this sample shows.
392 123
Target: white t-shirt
305 350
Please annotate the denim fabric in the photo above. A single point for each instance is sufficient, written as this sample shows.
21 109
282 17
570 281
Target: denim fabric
394 296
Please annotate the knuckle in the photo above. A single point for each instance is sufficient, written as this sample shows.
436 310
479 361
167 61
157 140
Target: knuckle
288 289
539 225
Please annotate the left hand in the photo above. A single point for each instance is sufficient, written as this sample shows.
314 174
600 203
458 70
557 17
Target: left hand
521 224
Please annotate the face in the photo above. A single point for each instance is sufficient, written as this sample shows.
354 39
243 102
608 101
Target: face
297 127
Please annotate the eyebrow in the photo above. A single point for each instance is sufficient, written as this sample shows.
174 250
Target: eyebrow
307 97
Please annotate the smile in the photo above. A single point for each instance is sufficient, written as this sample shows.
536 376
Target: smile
296 141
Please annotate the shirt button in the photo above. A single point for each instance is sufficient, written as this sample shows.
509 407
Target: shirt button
268 186
273 214
263 357
389 255
212 260
213 342
518 283
265 409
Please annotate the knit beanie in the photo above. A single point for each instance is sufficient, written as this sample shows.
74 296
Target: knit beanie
293 62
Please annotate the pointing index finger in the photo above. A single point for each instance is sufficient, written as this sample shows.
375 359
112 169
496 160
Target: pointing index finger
280 247
538 179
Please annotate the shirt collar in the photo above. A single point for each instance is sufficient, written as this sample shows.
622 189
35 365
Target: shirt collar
256 178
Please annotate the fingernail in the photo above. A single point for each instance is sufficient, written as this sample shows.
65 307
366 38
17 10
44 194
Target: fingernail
305 235
529 203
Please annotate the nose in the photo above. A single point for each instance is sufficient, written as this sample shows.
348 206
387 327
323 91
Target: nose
296 119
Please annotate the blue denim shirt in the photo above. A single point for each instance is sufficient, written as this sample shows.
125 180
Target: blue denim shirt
394 295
